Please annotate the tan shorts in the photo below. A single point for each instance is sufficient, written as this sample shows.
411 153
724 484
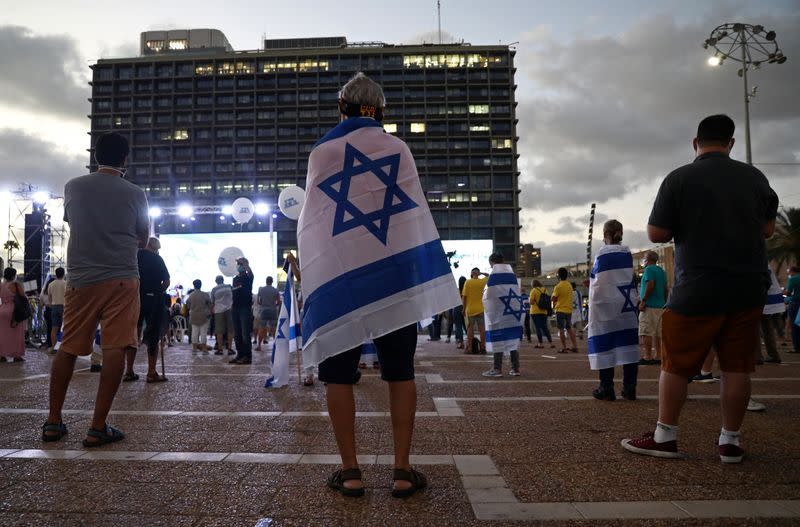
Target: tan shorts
650 322
113 304
475 319
687 340
223 323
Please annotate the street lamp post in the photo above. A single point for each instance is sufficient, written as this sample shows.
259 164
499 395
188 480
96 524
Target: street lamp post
750 45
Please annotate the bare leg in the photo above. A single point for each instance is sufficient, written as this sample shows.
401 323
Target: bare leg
657 341
130 357
60 376
54 336
709 362
403 406
734 396
647 347
152 358
342 411
562 336
470 336
572 338
672 391
482 331
110 376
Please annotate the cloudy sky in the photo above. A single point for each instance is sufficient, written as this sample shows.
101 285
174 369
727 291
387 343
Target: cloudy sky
609 93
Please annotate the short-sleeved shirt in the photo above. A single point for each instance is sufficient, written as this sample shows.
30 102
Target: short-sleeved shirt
105 213
473 293
56 292
562 294
716 209
243 290
269 297
536 294
152 272
222 297
793 288
199 304
655 274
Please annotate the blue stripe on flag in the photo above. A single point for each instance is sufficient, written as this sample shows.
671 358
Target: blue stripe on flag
775 299
345 127
502 279
373 282
611 261
615 339
499 335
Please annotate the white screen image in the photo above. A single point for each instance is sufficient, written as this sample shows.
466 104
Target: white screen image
194 256
469 254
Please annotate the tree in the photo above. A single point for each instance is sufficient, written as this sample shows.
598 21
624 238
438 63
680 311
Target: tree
784 246
10 245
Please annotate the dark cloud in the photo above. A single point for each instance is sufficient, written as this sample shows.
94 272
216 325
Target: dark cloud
568 225
610 114
42 73
26 159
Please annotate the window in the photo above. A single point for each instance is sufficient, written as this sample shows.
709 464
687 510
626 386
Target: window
122 121
479 128
244 99
417 128
265 116
202 188
164 118
204 100
183 118
225 68
224 133
181 135
503 217
223 117
390 128
204 69
203 133
225 151
245 116
244 67
154 45
163 135
244 132
184 70
225 99
245 150
479 108
265 98
265 149
501 144
164 70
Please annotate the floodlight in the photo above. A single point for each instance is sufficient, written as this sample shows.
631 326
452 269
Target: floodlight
262 209
714 61
155 212
227 209
184 211
41 197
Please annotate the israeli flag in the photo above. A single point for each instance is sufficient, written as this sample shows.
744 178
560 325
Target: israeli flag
613 305
504 310
287 337
775 303
372 259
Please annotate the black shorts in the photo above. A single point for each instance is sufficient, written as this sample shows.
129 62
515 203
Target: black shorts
395 354
563 320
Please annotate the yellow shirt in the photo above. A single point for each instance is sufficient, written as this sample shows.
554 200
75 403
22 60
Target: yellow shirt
473 294
562 296
536 293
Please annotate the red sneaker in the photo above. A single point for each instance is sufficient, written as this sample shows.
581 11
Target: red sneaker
731 453
647 446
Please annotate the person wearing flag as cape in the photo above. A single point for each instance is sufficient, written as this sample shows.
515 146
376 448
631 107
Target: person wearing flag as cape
504 308
373 266
613 325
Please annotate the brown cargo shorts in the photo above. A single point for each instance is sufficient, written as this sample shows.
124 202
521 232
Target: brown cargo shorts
687 341
113 304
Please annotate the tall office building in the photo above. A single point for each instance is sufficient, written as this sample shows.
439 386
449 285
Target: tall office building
208 124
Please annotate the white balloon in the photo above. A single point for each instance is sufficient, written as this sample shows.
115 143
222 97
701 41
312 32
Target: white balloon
227 260
291 201
243 210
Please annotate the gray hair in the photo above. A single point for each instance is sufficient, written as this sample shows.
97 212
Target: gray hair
154 244
362 90
651 256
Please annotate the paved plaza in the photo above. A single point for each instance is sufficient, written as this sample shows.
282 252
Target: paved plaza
213 447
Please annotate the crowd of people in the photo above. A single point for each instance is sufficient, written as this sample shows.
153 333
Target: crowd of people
362 292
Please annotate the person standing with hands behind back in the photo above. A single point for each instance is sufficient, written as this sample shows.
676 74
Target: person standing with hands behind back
472 297
242 311
562 304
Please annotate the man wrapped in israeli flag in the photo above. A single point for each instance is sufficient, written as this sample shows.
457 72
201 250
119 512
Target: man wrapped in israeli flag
613 325
372 266
287 336
504 310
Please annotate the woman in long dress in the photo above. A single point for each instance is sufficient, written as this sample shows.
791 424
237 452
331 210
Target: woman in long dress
12 337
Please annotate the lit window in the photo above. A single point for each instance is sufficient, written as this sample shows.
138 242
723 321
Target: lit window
179 44
267 67
417 128
287 66
204 69
154 45
478 108
181 135
390 128
225 68
479 128
501 144
244 67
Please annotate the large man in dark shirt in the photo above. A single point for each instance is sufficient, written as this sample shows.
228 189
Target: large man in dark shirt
153 282
243 312
711 207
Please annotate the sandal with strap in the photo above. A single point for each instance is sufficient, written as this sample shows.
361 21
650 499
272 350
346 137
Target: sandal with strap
60 430
337 479
130 377
108 435
417 479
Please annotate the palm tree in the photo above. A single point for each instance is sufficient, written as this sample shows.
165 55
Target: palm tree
784 246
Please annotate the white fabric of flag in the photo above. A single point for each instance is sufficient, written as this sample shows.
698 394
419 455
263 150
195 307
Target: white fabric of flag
613 306
775 303
287 336
504 310
372 260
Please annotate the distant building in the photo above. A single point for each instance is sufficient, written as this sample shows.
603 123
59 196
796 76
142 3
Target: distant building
530 261
666 260
208 124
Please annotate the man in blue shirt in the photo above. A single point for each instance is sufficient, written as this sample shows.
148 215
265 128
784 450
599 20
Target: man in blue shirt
653 298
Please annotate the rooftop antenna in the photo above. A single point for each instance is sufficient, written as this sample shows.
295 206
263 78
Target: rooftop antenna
439 17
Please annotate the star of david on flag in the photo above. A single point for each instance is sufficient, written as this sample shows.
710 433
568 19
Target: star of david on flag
348 216
629 305
508 309
287 337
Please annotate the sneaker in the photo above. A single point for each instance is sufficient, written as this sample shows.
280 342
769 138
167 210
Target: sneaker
647 446
628 393
604 394
94 368
755 406
709 377
731 453
492 373
513 373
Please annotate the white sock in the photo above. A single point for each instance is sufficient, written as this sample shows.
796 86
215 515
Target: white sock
704 373
665 433
726 437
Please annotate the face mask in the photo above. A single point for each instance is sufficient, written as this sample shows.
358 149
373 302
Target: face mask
240 268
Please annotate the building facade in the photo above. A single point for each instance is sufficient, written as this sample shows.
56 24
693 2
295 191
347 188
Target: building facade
529 264
208 124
